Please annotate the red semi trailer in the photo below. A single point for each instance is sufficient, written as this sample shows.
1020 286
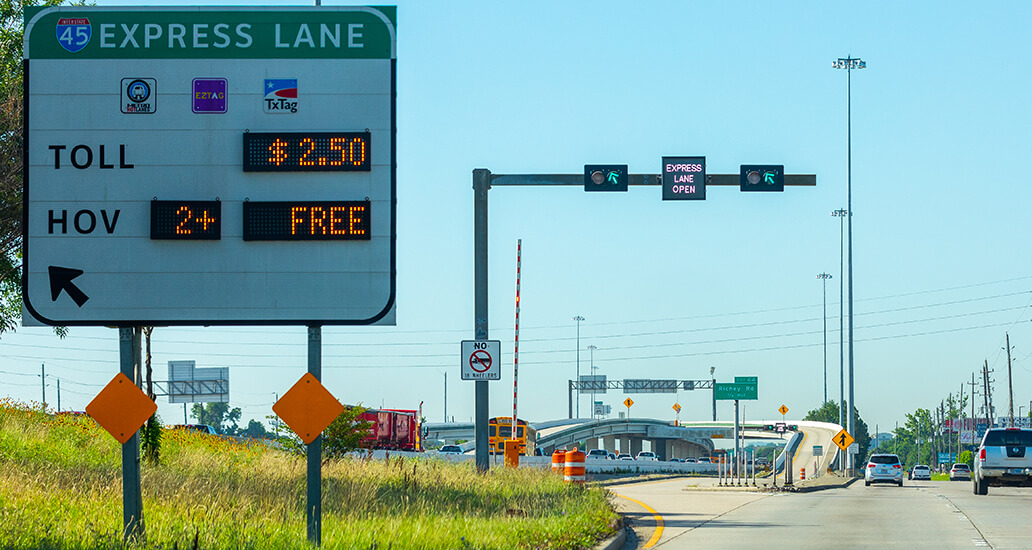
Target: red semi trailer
393 429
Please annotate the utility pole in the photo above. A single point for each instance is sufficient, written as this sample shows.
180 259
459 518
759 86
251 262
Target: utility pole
43 378
960 414
1010 384
973 391
445 396
987 391
58 395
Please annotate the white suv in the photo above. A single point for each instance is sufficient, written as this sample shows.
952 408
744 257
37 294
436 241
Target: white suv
598 453
647 455
883 469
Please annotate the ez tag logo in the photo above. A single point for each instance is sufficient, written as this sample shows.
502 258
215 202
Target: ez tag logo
73 33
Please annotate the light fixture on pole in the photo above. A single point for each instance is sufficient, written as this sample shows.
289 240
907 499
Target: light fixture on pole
824 280
591 368
578 318
849 63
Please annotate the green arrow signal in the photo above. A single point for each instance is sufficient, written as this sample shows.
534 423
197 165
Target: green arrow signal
768 178
613 178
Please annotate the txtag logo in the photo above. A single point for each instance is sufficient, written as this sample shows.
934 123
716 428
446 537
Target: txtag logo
73 33
280 95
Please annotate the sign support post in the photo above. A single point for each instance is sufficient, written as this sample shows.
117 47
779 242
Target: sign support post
481 183
313 505
132 499
737 472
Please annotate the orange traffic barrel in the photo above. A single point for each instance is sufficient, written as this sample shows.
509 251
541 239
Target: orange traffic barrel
558 460
802 474
574 467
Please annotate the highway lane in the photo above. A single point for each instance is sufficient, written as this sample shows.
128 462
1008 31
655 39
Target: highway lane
815 434
926 514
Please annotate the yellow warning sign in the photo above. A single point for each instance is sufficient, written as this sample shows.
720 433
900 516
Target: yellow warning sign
677 407
628 402
783 410
843 440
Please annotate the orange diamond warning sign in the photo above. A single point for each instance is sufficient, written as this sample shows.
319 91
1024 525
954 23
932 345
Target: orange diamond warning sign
121 408
308 408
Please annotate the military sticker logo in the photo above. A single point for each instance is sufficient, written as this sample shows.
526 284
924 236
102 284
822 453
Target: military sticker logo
139 95
280 95
73 33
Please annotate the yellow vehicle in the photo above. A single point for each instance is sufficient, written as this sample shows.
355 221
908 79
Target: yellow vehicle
499 429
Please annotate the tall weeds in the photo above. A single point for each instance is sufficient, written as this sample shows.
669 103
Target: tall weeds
60 487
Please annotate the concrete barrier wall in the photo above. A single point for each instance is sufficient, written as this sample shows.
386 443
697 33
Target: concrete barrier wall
591 465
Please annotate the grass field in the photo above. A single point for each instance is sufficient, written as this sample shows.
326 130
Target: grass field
60 488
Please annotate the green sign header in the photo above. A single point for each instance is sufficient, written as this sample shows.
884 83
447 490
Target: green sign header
735 391
746 380
71 32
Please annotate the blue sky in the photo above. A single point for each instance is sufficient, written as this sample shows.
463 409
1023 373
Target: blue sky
670 289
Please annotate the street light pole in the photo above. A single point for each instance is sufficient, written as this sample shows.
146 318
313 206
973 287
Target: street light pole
841 215
849 63
824 280
591 368
714 380
578 318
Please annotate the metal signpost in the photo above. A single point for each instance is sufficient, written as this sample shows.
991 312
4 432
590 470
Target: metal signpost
210 166
744 387
595 178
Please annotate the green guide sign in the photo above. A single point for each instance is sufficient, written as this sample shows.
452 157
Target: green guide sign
736 391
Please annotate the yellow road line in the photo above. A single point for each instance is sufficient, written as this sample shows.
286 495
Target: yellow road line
799 448
659 520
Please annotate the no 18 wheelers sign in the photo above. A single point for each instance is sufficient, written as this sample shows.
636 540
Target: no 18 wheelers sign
210 165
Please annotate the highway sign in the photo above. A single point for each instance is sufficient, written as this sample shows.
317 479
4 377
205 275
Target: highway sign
727 391
121 408
684 178
843 439
308 408
818 450
628 402
210 165
854 448
780 427
481 360
677 407
747 380
947 458
783 410
762 177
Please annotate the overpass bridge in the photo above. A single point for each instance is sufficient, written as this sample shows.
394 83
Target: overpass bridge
689 439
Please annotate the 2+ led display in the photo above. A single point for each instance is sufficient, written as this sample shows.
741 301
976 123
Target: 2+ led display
186 220
306 152
306 221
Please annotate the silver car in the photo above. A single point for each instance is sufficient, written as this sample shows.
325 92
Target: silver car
921 472
884 468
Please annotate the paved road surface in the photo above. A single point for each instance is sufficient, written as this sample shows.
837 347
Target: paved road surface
925 514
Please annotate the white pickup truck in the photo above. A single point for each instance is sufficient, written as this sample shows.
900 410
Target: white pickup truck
1003 459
